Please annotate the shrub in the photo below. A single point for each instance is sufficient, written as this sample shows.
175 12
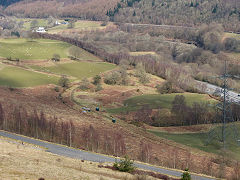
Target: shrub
112 78
56 57
104 23
167 87
85 84
186 175
56 89
124 165
99 87
141 74
97 80
63 81
144 78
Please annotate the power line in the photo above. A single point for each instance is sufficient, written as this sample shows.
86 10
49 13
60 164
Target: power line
228 126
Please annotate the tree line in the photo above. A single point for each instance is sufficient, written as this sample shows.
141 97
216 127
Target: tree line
184 13
182 114
91 10
36 124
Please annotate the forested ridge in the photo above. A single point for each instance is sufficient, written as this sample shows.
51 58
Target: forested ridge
172 12
183 12
91 9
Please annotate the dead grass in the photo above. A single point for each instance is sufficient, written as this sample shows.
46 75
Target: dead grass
141 53
29 162
114 95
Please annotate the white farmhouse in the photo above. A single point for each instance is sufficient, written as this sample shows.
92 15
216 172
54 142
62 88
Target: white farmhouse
57 23
41 30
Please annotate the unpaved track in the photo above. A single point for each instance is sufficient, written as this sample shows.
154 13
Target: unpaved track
90 156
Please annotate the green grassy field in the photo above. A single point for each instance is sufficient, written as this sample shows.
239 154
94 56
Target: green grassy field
232 35
32 49
17 77
38 49
156 101
199 141
86 56
79 25
78 69
27 22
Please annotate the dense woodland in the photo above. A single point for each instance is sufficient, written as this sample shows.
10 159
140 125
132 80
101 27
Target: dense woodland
171 12
183 12
92 10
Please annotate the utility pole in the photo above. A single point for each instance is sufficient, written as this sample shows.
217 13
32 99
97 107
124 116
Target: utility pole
226 115
70 135
224 106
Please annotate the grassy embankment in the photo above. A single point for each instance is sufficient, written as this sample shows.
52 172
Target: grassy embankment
156 101
79 70
196 140
29 162
16 77
199 140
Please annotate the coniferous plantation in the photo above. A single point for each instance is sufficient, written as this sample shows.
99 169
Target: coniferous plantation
120 89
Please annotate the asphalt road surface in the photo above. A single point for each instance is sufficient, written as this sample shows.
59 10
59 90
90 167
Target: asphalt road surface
210 89
89 156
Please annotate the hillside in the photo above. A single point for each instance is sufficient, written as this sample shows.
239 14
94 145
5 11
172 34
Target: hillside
25 161
184 12
93 9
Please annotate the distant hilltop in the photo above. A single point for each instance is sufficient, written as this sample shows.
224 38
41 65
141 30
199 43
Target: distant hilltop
169 12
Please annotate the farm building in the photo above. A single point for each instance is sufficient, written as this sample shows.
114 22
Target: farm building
41 30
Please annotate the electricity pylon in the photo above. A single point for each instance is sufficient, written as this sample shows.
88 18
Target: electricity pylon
228 127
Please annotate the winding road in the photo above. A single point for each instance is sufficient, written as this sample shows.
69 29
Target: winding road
90 156
233 97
